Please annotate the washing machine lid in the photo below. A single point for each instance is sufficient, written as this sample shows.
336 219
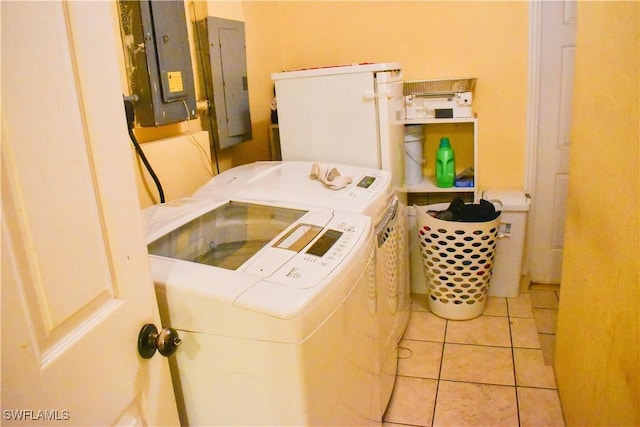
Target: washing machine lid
255 238
368 193
286 255
232 232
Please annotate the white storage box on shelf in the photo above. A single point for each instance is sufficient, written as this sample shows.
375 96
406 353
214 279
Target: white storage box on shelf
507 268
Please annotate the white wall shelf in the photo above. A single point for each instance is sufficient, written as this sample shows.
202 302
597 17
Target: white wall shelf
463 134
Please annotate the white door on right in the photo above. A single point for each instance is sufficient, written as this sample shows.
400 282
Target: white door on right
555 95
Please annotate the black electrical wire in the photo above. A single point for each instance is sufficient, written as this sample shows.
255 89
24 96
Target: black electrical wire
128 107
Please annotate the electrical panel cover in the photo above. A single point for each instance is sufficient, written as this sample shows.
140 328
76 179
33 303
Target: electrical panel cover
158 61
225 76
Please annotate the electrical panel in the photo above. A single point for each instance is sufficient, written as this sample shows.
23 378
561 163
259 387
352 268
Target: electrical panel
225 76
158 61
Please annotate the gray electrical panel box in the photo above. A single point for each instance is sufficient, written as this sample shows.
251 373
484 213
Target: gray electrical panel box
225 76
158 61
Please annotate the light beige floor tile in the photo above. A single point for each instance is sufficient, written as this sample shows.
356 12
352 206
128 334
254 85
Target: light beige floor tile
520 306
496 306
419 302
544 299
425 326
483 330
477 364
531 371
412 401
539 407
465 404
524 333
548 346
419 359
544 287
546 320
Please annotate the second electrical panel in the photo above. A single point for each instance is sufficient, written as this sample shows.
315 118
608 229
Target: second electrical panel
226 80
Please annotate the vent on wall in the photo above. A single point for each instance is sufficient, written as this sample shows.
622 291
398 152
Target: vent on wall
158 61
225 75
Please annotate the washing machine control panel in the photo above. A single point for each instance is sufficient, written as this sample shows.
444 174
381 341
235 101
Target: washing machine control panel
325 253
366 182
369 185
334 257
325 242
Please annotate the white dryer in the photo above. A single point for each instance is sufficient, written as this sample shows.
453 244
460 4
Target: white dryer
370 193
271 303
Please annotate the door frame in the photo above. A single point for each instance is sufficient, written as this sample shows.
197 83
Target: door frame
533 126
533 101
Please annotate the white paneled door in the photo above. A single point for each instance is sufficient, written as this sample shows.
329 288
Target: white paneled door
76 285
555 95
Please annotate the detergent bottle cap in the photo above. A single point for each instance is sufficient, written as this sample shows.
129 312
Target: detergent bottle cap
444 143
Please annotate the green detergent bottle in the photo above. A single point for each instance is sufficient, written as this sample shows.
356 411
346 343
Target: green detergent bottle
445 165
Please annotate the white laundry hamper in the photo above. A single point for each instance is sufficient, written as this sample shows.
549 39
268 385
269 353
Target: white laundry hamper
458 259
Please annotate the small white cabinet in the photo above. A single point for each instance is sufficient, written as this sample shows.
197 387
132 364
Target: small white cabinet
463 135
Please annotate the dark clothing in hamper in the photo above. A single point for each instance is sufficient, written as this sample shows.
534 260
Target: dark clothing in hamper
459 211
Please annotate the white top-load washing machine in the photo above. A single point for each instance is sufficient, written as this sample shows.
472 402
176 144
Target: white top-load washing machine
271 303
370 193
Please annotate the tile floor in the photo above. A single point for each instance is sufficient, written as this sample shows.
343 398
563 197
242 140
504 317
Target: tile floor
494 370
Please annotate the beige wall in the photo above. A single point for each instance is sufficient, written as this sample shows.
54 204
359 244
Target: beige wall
597 345
182 164
263 56
487 40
